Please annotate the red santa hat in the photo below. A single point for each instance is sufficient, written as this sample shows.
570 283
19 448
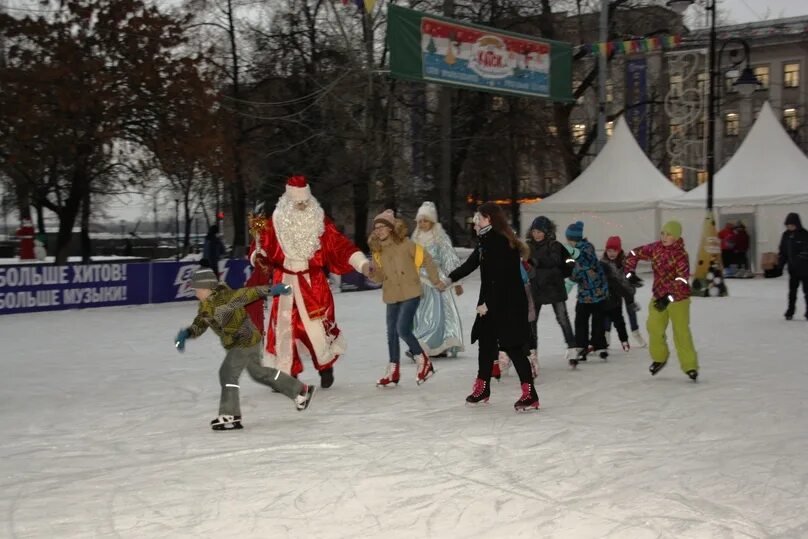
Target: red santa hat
297 189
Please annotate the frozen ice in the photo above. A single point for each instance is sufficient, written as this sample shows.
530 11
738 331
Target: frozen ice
106 435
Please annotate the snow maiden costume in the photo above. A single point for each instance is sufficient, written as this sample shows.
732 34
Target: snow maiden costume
293 248
437 321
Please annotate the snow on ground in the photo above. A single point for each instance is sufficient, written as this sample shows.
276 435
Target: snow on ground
107 436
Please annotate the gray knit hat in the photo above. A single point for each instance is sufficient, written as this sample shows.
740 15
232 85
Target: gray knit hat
204 278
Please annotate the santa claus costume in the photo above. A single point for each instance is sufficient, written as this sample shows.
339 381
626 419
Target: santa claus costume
297 247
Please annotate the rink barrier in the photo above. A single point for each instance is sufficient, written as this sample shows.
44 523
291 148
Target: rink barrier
26 288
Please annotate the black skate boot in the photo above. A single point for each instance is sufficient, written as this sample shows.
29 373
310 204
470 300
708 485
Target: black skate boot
302 401
604 354
226 422
529 399
327 378
480 393
789 314
656 367
693 374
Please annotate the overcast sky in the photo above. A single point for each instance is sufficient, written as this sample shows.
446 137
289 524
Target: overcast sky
740 11
735 11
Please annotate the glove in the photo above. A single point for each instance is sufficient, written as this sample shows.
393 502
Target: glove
662 303
179 340
633 280
633 307
280 289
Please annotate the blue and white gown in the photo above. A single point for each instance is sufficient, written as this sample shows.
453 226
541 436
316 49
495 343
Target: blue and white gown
437 321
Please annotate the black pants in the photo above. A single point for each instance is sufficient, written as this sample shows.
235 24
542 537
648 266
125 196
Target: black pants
793 284
583 313
488 352
563 319
615 316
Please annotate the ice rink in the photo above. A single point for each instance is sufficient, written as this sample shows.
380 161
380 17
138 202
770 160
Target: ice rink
107 435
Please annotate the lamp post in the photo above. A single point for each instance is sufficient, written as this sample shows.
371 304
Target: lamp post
708 277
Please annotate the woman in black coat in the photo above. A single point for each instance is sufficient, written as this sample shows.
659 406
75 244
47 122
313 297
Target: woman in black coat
794 254
550 264
502 322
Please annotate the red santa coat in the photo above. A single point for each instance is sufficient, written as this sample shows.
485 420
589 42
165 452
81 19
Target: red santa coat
26 235
305 319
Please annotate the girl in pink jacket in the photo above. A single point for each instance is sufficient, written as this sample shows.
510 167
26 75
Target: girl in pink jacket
671 298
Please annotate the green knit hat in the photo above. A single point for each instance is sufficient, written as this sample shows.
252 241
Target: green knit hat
673 228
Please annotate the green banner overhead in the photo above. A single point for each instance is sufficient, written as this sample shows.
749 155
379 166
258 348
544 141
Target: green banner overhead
428 48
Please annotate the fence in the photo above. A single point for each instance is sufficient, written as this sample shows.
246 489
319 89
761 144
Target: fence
28 288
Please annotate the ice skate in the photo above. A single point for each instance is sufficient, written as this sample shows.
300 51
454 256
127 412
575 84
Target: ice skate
425 369
480 393
656 367
572 357
603 354
302 401
495 372
638 339
529 399
533 358
391 376
327 378
626 346
226 422
693 374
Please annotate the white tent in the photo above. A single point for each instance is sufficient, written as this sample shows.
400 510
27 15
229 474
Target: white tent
765 180
617 195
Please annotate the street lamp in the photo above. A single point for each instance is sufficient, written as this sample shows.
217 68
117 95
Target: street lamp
708 277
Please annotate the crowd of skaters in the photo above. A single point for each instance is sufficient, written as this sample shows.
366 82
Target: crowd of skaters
420 276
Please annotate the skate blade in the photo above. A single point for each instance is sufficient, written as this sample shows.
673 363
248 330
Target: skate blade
230 426
477 404
429 375
390 385
527 409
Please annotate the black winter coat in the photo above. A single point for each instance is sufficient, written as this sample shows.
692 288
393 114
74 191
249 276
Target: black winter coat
794 252
619 286
501 290
546 276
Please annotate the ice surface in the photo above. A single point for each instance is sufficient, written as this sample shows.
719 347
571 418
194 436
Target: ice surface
106 435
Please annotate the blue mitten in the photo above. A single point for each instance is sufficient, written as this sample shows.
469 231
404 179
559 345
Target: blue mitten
179 341
280 289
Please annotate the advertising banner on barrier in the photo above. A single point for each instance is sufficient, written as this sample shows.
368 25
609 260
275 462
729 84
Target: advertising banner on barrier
40 287
171 280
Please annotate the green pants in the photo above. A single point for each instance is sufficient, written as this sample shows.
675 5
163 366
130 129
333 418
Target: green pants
678 313
236 360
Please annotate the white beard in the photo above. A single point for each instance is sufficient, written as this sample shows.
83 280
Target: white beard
298 231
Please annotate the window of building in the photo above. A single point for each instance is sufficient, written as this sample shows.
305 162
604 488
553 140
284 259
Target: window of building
678 176
791 75
701 177
498 103
762 74
790 119
701 128
701 83
609 91
676 130
525 185
732 124
579 133
676 85
553 130
609 128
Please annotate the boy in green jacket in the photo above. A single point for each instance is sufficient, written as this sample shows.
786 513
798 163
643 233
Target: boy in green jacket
222 310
